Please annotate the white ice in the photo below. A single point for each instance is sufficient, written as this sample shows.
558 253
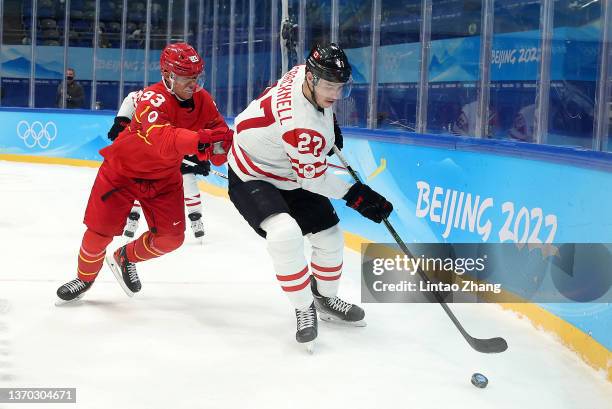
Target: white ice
212 329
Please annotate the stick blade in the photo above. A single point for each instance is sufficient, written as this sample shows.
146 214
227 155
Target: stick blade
489 346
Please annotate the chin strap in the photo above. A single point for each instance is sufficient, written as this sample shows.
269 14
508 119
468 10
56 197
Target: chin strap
171 87
313 95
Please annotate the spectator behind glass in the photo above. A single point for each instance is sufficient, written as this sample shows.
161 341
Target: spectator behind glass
75 93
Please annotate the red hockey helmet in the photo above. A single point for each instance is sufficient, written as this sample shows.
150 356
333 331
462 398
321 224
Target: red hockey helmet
181 59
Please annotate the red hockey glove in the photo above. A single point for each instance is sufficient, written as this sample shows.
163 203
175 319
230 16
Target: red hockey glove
215 144
210 136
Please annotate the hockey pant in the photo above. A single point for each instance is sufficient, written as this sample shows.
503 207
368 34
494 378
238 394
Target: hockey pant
193 200
111 199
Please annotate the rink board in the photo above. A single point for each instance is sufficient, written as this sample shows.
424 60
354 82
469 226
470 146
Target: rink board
561 185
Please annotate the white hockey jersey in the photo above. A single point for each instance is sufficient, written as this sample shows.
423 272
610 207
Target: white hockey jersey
283 139
128 106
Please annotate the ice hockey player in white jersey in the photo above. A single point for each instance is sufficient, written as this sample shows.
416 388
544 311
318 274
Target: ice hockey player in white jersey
190 167
278 181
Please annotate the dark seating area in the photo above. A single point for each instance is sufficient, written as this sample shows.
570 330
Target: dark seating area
50 23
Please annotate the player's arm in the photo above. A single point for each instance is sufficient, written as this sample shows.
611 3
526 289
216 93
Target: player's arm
307 152
124 115
215 123
153 126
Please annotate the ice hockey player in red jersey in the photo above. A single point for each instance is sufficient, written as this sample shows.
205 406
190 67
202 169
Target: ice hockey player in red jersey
278 181
190 167
174 117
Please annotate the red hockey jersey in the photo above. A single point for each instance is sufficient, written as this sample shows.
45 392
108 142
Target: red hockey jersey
162 131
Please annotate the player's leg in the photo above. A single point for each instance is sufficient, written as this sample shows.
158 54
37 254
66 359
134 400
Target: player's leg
318 220
131 224
162 205
193 204
263 207
104 217
326 264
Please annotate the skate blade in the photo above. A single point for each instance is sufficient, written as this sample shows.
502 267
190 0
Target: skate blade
59 302
110 261
330 318
310 346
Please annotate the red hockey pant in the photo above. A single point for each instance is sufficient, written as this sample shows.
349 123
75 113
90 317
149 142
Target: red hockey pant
110 201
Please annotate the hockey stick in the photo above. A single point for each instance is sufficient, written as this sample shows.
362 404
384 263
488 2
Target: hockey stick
212 171
220 174
487 346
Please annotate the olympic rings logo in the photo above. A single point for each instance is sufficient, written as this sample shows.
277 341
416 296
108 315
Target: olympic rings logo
37 133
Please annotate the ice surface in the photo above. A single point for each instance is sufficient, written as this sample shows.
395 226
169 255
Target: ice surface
212 329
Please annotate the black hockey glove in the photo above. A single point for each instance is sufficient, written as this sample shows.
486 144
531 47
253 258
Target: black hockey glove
367 202
191 164
119 125
339 142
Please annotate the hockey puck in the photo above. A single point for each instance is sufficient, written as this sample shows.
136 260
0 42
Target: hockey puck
479 380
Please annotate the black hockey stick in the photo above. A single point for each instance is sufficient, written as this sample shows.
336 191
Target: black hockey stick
212 171
487 346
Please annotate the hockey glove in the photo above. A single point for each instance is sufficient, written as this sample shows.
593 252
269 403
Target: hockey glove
191 164
119 125
339 141
218 145
210 136
368 203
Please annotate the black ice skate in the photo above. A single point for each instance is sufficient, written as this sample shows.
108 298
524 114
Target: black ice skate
307 326
196 224
334 309
72 291
124 271
132 224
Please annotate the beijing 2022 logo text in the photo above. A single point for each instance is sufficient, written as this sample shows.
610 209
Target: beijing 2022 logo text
36 133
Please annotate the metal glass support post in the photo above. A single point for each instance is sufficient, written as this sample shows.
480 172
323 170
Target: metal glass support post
230 59
373 90
274 41
66 46
1 41
484 82
335 21
603 99
96 40
199 41
169 21
186 22
301 32
32 96
540 131
281 41
147 44
251 58
423 86
122 52
215 51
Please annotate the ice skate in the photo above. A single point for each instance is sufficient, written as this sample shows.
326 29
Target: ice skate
307 327
196 225
132 224
72 291
334 309
124 271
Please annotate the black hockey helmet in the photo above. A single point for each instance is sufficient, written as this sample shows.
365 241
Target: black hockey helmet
329 63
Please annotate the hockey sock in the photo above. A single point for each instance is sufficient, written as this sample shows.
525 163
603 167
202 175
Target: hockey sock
286 246
151 245
193 203
326 260
91 255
